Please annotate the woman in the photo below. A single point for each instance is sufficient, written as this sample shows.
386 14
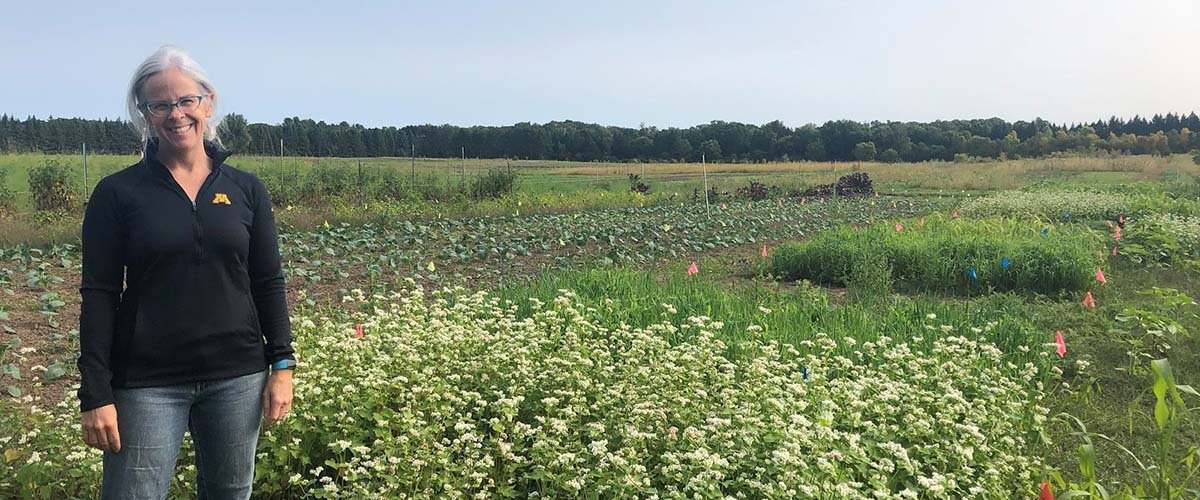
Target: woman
182 344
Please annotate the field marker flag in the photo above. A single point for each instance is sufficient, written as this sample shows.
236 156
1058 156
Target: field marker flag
1110 224
1117 233
692 269
1061 350
1045 231
1121 219
1066 214
899 227
954 214
748 205
971 272
764 251
724 206
1100 275
779 202
922 222
358 331
1046 494
877 194
1114 252
1004 262
1089 301
804 372
803 201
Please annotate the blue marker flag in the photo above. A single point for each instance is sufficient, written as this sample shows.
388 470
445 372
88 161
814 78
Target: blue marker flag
804 372
1046 232
1004 262
1066 214
971 272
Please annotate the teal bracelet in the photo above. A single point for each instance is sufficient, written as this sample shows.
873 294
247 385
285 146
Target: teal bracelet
283 364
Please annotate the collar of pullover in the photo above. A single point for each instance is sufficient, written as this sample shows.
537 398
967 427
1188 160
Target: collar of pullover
215 153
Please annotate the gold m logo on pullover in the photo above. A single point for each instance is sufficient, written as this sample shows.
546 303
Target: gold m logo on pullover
221 198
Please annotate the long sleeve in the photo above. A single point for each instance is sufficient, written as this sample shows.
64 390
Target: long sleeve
266 278
100 290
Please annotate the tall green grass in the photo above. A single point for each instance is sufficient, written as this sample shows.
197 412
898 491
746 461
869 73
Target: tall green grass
786 313
939 256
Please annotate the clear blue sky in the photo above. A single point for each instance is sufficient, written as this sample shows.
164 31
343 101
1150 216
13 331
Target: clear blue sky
669 63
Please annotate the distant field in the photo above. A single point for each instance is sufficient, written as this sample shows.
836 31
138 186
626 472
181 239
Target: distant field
537 176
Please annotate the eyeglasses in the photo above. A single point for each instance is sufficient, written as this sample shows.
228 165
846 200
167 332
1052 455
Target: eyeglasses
163 108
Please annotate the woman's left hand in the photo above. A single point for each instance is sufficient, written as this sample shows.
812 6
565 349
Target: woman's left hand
277 396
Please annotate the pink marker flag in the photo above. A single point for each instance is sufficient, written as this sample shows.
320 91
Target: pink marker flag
692 269
1089 301
1121 219
723 207
779 202
1114 252
748 204
803 201
358 331
1100 275
899 227
1062 344
764 251
877 194
1117 234
954 214
922 223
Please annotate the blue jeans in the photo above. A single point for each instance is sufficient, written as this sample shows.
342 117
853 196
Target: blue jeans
223 417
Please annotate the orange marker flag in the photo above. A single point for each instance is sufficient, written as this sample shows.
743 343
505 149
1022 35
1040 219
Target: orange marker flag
358 331
1088 301
954 214
899 227
764 251
1045 494
692 269
1062 344
1100 275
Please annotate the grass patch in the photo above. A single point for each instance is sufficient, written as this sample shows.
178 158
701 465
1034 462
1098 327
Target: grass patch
948 256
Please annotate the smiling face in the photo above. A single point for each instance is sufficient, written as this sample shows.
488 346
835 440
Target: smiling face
180 130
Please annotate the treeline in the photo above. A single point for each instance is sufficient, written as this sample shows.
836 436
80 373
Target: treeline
839 140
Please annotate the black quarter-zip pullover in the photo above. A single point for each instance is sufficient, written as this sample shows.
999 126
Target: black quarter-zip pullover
176 291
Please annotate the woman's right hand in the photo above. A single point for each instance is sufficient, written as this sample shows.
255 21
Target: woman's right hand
100 428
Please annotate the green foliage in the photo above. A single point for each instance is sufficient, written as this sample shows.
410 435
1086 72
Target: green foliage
8 199
1048 204
1162 239
50 185
864 151
939 256
494 184
234 132
870 277
1161 477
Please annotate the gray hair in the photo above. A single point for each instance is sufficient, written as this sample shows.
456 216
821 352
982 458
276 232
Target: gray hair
165 57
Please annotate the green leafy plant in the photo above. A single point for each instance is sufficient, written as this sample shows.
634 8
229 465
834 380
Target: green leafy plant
50 185
1170 474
